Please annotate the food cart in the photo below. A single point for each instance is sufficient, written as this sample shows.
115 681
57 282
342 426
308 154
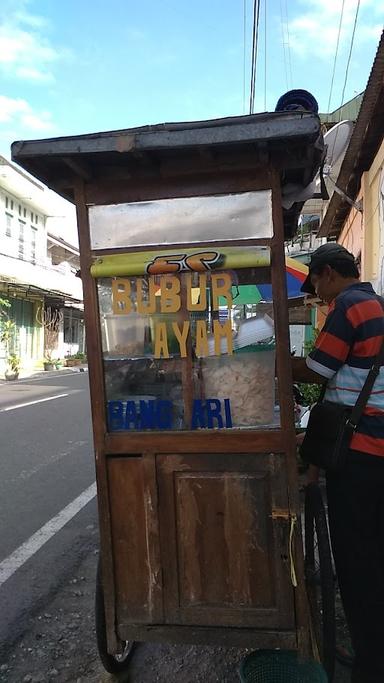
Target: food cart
180 227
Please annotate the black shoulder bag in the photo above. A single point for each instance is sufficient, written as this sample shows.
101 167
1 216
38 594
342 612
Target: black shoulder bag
331 425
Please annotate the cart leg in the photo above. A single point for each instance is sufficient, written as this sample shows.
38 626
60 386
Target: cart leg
114 664
320 578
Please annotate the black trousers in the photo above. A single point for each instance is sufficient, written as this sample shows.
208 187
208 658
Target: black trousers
356 521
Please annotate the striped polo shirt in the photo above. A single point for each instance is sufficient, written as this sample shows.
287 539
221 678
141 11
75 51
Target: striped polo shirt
345 351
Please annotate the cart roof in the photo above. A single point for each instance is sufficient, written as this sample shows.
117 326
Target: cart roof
289 141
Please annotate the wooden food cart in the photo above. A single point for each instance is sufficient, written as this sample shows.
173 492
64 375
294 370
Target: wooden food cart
180 226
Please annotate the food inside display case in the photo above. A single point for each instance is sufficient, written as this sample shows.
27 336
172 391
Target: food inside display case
188 350
248 377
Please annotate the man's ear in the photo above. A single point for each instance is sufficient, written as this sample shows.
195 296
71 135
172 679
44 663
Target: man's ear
329 272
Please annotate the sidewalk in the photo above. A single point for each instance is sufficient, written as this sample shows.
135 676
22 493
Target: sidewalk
37 374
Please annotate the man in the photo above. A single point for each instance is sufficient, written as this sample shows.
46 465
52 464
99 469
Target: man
345 350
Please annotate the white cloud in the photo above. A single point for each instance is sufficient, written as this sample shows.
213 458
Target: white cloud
40 121
371 32
25 51
19 113
32 20
29 73
11 108
314 32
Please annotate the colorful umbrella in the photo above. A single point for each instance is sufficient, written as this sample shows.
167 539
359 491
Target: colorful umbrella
296 272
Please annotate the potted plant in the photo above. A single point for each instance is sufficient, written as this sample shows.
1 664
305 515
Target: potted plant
50 320
75 359
48 362
7 337
13 367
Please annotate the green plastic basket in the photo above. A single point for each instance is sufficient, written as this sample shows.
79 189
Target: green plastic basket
280 666
255 348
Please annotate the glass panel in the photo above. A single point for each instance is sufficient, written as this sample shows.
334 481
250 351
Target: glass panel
182 221
188 351
21 239
8 225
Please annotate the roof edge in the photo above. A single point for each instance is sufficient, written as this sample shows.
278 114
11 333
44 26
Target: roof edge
352 168
166 127
176 135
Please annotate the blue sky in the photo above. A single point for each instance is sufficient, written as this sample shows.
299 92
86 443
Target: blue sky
78 66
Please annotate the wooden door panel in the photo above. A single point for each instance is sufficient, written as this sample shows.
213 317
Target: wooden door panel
135 540
223 540
225 559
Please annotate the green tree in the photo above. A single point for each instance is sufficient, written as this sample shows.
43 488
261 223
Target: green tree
4 304
7 327
310 392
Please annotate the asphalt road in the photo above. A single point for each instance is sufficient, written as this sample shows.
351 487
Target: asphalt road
46 463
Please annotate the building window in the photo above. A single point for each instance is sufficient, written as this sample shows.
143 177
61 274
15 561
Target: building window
19 209
6 202
8 224
11 204
25 213
36 219
73 329
33 244
21 238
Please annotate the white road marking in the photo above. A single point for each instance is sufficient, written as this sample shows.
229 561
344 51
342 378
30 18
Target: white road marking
73 446
32 403
25 551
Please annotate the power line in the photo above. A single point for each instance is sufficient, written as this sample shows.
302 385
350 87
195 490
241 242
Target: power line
288 43
255 40
346 74
265 55
350 55
336 53
283 43
245 49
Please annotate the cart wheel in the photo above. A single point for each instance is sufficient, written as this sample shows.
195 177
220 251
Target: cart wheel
114 664
319 577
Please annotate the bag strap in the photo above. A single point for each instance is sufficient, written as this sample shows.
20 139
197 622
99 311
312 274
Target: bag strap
365 392
322 392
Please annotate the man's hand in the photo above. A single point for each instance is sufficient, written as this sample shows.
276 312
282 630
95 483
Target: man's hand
313 472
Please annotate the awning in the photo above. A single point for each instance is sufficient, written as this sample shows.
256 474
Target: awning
18 289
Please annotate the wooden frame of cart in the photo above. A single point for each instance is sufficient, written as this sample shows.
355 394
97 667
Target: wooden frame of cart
197 480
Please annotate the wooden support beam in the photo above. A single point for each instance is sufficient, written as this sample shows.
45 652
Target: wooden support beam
80 167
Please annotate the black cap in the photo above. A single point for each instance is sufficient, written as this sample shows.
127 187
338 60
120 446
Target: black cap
300 100
324 256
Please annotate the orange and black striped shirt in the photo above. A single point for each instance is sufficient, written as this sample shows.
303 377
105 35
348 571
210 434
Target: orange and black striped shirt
345 351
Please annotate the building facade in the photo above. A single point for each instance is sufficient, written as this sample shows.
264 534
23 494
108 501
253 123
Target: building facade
37 271
356 219
334 218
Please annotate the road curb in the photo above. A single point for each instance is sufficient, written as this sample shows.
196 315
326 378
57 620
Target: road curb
45 374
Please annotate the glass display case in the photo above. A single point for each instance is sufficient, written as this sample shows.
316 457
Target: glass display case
189 350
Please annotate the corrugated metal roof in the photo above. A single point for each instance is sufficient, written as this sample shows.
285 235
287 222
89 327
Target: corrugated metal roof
348 112
363 145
